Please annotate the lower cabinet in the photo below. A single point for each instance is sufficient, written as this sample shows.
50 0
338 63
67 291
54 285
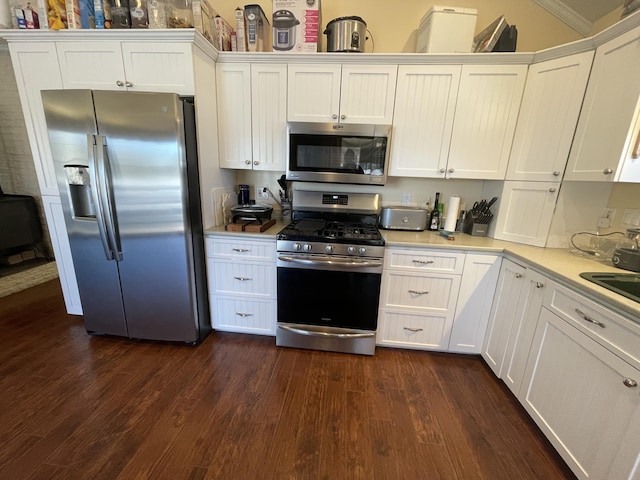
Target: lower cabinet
242 284
435 300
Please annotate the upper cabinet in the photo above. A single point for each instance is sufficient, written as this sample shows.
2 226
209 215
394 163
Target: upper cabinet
136 66
605 133
252 115
455 121
341 93
550 108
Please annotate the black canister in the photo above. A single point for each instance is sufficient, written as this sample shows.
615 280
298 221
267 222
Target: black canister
243 194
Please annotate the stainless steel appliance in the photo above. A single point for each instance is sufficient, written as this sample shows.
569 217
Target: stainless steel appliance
284 29
338 153
329 265
127 172
346 34
403 218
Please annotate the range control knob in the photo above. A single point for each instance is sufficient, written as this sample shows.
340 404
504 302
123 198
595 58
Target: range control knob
351 250
362 250
306 247
328 248
297 246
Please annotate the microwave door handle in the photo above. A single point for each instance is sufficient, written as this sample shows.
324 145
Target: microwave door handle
107 195
94 176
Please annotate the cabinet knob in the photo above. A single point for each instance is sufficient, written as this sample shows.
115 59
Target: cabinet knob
343 116
128 84
451 170
248 162
334 116
442 170
539 284
256 162
552 189
630 382
518 275
607 171
120 83
556 173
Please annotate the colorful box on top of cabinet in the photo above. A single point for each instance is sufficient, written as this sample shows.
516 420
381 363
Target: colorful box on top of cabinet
447 30
297 25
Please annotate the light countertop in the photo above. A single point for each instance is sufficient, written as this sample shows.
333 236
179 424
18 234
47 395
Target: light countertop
557 263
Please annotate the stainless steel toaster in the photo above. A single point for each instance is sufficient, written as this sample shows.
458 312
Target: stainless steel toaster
403 218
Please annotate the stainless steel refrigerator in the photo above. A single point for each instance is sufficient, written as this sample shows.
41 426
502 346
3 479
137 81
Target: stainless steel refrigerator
127 171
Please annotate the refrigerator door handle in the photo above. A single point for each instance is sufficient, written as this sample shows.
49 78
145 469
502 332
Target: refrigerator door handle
106 194
95 194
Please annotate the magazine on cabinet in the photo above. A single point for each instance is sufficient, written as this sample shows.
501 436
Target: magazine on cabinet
487 38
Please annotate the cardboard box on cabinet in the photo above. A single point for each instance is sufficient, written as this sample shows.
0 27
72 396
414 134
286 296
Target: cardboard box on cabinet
296 25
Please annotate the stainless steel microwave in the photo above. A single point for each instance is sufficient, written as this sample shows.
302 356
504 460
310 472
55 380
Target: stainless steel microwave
338 153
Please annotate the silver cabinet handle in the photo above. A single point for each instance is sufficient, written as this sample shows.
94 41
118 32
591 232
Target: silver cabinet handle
423 262
334 116
256 162
630 382
413 329
343 116
589 319
539 284
120 83
556 173
518 275
442 170
241 250
552 189
128 84
240 314
247 162
243 279
451 170
416 292
607 171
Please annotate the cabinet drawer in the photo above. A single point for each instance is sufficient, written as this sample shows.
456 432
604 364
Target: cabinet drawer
613 331
241 278
425 261
414 330
437 293
240 248
243 315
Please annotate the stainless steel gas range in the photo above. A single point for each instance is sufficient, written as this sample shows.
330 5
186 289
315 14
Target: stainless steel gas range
329 266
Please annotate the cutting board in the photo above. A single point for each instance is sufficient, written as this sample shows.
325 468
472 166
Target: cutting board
250 226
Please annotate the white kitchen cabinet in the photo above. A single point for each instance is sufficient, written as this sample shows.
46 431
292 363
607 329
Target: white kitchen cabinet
581 395
548 116
423 119
525 212
252 120
62 252
474 302
135 66
36 68
485 120
605 129
242 284
341 93
503 312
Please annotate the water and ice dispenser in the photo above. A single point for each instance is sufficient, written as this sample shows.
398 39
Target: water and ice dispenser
80 191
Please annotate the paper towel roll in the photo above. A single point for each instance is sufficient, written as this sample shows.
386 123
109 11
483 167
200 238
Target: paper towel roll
452 214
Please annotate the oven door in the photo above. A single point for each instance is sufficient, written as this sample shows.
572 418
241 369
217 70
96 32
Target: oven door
328 302
337 153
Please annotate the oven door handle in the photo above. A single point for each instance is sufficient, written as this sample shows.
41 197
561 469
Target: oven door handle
315 333
328 261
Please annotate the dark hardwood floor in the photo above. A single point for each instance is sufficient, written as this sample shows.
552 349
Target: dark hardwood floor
237 407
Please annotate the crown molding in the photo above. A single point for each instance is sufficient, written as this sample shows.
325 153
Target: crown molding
567 15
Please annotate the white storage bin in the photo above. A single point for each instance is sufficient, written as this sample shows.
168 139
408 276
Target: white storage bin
447 30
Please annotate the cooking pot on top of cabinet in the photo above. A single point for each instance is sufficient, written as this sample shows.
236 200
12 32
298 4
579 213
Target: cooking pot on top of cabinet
284 30
346 34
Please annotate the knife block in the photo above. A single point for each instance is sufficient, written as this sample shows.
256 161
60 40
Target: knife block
472 227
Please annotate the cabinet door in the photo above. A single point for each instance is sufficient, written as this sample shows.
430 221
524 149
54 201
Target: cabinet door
159 67
367 93
503 313
477 288
525 213
62 252
29 61
243 315
423 119
523 327
548 117
414 330
574 389
269 116
313 93
485 120
429 293
234 115
94 65
605 120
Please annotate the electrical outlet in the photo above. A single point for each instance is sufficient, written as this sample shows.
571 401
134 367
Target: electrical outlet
631 218
406 199
606 218
262 193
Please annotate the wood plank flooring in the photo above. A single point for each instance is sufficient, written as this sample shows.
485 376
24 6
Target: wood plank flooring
237 407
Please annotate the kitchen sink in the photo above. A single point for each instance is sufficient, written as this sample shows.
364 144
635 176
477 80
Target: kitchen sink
626 284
